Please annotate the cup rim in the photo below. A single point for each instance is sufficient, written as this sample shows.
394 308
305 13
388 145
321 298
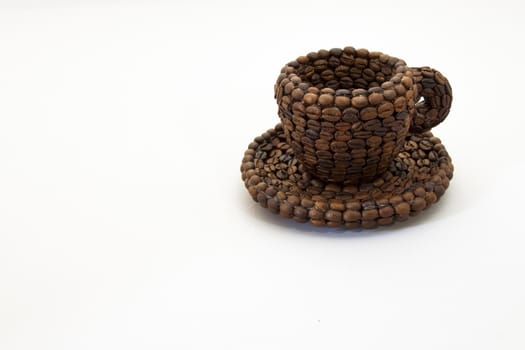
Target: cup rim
289 75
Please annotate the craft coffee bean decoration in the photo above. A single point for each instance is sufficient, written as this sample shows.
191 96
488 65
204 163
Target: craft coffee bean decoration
353 147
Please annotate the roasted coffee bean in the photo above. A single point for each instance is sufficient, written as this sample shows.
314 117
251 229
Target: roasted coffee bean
326 99
390 94
338 146
333 215
322 144
402 209
310 98
331 114
385 109
400 104
374 141
359 101
313 112
342 101
350 115
372 125
418 204
356 143
311 133
368 113
426 145
375 99
386 211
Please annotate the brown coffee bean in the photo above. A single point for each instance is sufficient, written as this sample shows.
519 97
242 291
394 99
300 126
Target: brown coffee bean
400 104
273 205
385 109
297 94
418 204
342 101
300 212
286 210
302 60
385 221
293 200
338 205
420 192
390 95
386 211
331 114
333 215
323 154
338 146
322 144
310 98
426 145
351 215
298 109
370 214
315 214
307 203
368 113
254 180
326 99
402 209
313 112
408 196
400 89
397 125
374 141
375 99
430 198
359 101
356 143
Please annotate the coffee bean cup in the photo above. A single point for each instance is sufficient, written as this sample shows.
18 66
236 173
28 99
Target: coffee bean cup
346 112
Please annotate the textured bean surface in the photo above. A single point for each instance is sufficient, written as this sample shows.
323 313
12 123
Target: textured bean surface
346 112
412 183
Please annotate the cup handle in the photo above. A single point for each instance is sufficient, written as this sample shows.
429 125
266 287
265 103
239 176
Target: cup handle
437 99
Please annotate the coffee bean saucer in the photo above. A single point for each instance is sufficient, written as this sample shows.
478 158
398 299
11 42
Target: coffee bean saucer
415 180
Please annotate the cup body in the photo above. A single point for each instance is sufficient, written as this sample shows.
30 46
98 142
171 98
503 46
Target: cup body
346 112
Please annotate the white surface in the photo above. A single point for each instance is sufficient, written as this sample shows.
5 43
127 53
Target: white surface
124 223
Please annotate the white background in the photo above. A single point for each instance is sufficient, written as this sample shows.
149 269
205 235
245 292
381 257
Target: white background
124 223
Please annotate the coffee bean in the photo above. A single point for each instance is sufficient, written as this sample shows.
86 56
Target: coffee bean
342 101
359 101
333 215
313 112
386 211
310 98
390 95
402 209
385 109
375 99
331 114
351 215
338 146
374 141
350 115
400 104
368 113
370 214
418 204
420 192
326 99
338 205
356 143
315 214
